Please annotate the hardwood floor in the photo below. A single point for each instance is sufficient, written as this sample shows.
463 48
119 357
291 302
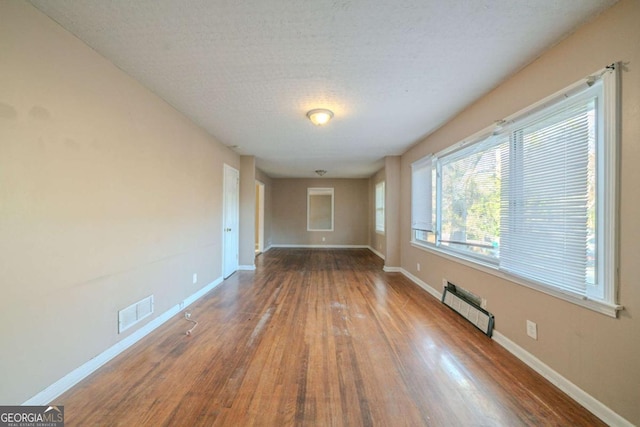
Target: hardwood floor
323 338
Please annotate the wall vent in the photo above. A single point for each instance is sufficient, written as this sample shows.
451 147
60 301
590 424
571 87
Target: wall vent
133 314
467 307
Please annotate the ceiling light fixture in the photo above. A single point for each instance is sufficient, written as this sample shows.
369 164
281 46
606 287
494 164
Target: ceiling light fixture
320 116
320 172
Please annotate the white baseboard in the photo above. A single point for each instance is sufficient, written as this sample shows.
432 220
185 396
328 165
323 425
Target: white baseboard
199 294
376 252
74 377
388 269
596 407
323 246
437 295
247 267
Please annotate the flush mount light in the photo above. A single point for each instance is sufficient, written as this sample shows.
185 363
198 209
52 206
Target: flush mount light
320 116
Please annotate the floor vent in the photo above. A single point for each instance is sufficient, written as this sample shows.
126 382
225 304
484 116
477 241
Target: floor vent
133 314
470 310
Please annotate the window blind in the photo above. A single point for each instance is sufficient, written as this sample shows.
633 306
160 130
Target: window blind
547 197
421 208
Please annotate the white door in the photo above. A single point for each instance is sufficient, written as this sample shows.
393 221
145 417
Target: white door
230 221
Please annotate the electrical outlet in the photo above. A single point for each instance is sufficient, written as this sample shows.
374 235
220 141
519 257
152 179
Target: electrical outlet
323 239
418 266
187 315
195 278
532 329
483 303
444 282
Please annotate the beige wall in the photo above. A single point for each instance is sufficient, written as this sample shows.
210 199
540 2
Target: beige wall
107 195
289 212
257 219
247 236
599 354
392 212
378 240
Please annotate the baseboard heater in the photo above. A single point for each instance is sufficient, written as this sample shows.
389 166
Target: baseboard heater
462 303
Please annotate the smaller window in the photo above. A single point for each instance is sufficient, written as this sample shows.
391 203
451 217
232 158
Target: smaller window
423 200
380 207
320 209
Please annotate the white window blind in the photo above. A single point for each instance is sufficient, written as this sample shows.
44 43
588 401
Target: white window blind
548 197
380 206
421 209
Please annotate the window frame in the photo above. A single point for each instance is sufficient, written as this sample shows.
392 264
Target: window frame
318 191
380 206
607 171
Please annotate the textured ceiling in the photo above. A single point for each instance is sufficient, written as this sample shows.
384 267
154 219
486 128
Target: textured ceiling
391 71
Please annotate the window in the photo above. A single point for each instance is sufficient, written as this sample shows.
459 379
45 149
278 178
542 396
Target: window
421 191
470 199
380 207
319 209
534 197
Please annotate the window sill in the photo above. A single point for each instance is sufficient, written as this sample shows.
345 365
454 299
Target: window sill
601 307
380 232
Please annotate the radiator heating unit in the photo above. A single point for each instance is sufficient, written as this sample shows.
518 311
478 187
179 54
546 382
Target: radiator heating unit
467 305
